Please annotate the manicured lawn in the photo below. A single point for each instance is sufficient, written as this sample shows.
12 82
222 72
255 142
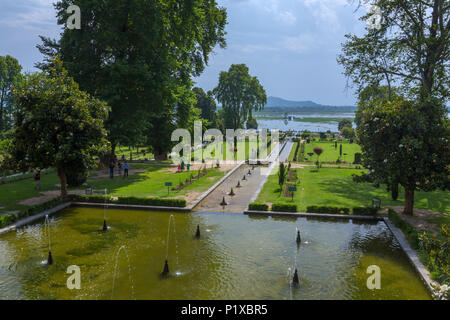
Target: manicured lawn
330 153
146 184
12 193
335 187
152 183
209 152
292 154
137 154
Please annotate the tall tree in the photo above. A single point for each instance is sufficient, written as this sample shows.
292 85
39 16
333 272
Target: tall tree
396 152
9 76
57 124
207 105
411 48
240 94
139 56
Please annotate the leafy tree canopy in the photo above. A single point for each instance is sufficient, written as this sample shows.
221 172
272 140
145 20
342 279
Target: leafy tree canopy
57 124
10 76
240 94
139 56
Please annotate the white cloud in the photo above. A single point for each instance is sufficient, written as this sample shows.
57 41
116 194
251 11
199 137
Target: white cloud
277 9
325 12
30 14
301 43
252 48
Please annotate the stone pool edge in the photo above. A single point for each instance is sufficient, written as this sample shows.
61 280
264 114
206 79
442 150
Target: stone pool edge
413 257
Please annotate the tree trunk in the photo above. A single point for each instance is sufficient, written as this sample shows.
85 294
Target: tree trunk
63 180
161 156
409 201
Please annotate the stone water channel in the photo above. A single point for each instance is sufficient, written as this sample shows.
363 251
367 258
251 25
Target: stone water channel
249 189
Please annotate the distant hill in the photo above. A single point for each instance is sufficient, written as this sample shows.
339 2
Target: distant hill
275 102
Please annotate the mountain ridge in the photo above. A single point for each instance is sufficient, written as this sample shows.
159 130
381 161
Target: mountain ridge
274 102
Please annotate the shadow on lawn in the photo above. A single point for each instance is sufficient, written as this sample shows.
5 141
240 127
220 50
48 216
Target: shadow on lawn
364 193
120 181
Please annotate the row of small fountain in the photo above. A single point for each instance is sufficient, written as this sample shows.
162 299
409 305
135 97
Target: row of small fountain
166 270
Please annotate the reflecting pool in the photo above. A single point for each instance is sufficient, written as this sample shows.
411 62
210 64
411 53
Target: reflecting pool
236 257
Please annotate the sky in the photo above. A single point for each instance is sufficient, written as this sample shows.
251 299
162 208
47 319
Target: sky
290 45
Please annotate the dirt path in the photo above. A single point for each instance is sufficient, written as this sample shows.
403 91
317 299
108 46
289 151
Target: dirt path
47 196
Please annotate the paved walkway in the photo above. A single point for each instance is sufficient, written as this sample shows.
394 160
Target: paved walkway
249 190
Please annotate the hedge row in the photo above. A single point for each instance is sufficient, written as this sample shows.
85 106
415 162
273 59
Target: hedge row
278 207
329 210
258 207
284 207
158 202
365 211
409 231
40 208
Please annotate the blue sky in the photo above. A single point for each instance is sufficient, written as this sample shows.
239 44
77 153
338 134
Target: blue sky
290 45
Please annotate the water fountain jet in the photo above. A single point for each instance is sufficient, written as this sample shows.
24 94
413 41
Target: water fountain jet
105 226
47 225
299 240
231 193
238 185
244 178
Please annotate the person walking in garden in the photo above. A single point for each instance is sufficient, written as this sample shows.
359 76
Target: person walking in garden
126 166
37 178
111 169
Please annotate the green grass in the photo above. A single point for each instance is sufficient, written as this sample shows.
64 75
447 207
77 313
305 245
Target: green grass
152 183
209 152
331 154
335 187
137 154
146 184
292 154
12 193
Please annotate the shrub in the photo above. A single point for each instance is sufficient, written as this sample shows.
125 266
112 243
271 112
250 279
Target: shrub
40 208
329 210
409 231
358 158
158 202
7 219
365 211
284 207
437 253
258 207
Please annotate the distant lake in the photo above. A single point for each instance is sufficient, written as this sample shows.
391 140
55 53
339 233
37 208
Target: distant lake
314 122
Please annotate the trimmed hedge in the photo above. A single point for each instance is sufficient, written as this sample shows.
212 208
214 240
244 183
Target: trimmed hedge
409 231
258 207
7 219
329 210
40 208
158 202
365 211
284 207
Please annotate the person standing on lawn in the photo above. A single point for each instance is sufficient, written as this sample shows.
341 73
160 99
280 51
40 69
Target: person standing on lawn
119 168
37 178
126 166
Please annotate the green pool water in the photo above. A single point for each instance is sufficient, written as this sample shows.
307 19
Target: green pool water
237 257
